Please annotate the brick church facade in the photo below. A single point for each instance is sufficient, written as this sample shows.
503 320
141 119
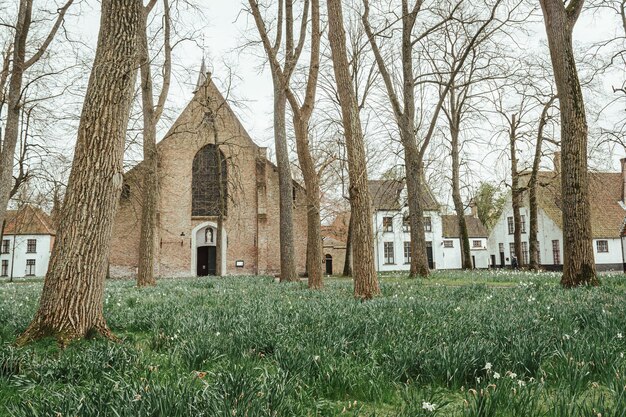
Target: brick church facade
205 136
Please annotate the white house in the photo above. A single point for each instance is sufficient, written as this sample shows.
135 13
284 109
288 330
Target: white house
26 243
606 195
392 240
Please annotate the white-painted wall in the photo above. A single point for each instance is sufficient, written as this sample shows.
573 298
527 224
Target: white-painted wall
17 255
452 256
547 232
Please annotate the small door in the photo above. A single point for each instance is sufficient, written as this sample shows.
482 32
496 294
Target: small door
473 262
502 260
206 261
493 261
329 265
429 254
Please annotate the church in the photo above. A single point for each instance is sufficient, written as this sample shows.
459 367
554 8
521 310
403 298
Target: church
211 174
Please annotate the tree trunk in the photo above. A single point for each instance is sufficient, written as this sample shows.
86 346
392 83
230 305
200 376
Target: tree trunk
311 181
347 263
71 304
459 208
285 185
365 278
415 186
578 261
150 200
11 130
516 195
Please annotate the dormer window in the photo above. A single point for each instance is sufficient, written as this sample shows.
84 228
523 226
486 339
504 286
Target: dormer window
387 224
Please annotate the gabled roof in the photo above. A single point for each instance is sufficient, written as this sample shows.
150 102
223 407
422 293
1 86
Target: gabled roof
386 195
475 227
605 196
28 220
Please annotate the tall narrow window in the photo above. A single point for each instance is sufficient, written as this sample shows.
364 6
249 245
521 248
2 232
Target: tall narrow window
387 224
428 226
407 252
5 246
511 249
30 267
525 252
511 225
31 246
501 247
208 183
523 223
389 258
556 252
5 268
406 224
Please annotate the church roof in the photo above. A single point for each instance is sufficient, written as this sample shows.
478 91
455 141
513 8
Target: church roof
475 227
605 196
386 195
28 220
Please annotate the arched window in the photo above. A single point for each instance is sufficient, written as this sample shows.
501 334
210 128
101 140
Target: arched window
208 189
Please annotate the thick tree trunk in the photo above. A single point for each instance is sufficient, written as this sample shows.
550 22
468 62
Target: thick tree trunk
311 181
365 278
149 201
11 131
459 208
347 263
415 186
516 195
71 304
578 260
285 185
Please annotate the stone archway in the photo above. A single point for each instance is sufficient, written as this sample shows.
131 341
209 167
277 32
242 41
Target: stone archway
204 235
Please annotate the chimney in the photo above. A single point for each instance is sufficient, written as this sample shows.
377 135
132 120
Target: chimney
474 208
623 164
557 161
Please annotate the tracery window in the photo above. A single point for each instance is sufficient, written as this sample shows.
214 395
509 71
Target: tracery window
207 192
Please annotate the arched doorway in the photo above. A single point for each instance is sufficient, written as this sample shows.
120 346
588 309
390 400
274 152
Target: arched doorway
329 264
204 249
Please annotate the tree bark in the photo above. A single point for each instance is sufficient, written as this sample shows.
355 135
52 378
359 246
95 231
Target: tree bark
578 260
150 200
347 263
365 278
516 194
459 208
533 232
71 304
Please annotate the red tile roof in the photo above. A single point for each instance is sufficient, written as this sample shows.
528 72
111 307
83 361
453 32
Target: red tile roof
28 220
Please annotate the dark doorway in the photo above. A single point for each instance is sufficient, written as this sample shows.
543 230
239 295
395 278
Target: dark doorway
493 261
329 265
429 254
206 261
501 259
473 262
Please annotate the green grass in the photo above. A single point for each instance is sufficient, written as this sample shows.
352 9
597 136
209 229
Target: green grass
253 347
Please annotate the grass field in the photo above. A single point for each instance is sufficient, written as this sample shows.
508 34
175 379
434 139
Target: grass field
458 344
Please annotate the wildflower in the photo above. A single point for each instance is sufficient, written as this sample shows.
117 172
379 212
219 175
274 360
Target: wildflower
217 334
428 406
620 336
487 366
521 383
512 375
316 358
496 375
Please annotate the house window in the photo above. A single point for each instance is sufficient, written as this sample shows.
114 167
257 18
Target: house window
30 267
406 224
448 244
511 224
5 268
603 246
556 252
389 260
31 246
5 246
477 244
525 252
428 227
407 252
523 224
387 224
501 247
511 249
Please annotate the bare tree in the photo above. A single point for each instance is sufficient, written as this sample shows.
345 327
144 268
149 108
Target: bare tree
365 278
281 75
71 304
578 260
151 116
20 64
